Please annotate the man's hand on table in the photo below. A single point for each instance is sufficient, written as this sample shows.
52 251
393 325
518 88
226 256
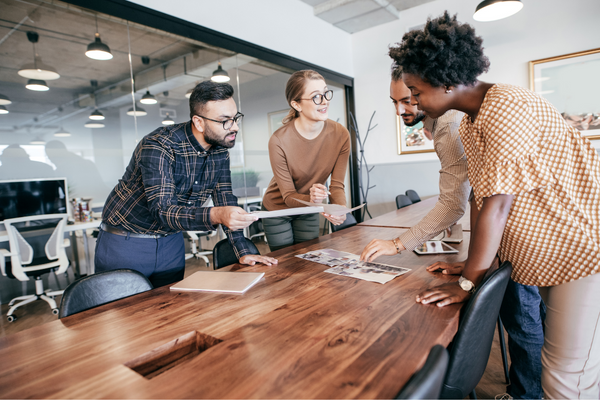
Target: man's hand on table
443 295
251 259
232 217
378 247
453 268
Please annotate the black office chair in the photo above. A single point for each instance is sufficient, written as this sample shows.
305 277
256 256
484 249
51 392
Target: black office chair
402 201
427 382
101 288
223 254
413 196
470 348
350 221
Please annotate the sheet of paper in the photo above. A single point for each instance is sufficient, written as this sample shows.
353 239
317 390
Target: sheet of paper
348 264
332 209
288 211
219 281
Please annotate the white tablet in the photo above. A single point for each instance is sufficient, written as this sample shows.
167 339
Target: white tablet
435 247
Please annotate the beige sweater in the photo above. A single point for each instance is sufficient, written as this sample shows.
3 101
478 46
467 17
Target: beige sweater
298 163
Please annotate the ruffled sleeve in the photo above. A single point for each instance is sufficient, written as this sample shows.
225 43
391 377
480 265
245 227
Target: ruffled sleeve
509 142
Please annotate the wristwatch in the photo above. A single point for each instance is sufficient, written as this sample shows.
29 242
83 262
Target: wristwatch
466 285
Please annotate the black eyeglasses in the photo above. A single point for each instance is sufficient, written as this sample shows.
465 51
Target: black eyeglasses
318 98
228 123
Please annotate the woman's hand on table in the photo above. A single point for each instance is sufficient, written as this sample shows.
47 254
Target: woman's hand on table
378 247
443 295
335 219
318 193
251 259
453 268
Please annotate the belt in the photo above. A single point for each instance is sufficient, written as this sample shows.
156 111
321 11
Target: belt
121 232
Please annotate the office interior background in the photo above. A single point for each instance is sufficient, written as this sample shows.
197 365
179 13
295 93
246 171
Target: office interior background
50 133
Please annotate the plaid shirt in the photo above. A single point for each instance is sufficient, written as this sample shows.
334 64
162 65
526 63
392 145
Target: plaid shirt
169 178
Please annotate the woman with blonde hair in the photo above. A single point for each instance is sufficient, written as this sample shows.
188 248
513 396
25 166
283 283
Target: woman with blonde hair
304 153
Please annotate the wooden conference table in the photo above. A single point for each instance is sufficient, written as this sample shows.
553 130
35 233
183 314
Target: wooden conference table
409 216
298 333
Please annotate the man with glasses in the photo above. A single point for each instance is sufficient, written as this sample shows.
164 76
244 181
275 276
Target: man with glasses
172 173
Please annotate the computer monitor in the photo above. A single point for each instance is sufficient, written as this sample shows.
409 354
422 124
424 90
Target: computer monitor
22 198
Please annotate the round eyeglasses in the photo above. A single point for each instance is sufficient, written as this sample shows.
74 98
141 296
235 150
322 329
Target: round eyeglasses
228 123
318 98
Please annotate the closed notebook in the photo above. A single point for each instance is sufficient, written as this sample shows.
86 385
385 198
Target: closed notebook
215 281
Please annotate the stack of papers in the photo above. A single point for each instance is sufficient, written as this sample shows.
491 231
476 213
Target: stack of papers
348 264
215 281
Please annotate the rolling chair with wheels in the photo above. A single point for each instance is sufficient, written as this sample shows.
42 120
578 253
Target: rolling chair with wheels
101 288
196 247
256 228
427 382
402 200
20 262
350 221
413 196
471 346
223 254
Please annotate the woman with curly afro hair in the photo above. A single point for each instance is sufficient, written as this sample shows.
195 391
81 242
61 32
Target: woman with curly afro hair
536 184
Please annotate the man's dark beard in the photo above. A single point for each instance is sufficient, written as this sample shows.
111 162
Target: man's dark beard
418 118
214 140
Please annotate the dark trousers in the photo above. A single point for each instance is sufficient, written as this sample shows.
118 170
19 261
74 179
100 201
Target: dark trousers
286 231
161 260
523 313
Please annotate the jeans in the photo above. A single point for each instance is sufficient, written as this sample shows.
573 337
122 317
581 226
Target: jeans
161 260
523 313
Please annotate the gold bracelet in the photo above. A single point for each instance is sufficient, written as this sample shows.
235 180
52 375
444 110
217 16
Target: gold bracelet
396 244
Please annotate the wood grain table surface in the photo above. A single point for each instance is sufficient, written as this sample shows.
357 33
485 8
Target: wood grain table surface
298 333
409 216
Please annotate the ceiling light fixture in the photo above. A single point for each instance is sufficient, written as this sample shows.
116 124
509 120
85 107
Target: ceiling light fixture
62 133
188 94
37 85
4 100
94 124
37 69
138 112
168 120
97 115
148 98
98 50
220 75
3 110
38 140
493 10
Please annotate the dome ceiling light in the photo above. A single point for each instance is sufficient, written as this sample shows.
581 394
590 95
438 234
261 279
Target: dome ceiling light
62 132
138 112
4 100
493 10
220 75
3 110
148 98
98 50
37 69
168 120
37 85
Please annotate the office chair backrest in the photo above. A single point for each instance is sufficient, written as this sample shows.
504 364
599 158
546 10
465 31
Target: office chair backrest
402 201
413 196
470 349
101 288
427 382
22 261
350 221
223 254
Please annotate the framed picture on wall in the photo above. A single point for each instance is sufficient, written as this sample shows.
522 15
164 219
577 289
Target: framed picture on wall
276 120
570 82
411 139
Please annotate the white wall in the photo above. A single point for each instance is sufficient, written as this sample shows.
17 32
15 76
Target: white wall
543 28
286 26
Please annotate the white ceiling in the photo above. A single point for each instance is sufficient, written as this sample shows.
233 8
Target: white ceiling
357 15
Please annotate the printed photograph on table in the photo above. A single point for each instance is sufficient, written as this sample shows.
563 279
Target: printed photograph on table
276 120
412 139
570 82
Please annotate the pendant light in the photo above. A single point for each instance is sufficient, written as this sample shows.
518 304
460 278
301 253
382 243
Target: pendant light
220 75
4 100
148 98
37 69
37 85
493 10
188 94
94 124
97 115
38 140
62 132
138 112
98 50
168 120
3 110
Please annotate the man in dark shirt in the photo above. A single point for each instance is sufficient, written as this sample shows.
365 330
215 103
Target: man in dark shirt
172 173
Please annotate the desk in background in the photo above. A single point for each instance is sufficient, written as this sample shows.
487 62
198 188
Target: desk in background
409 216
299 333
